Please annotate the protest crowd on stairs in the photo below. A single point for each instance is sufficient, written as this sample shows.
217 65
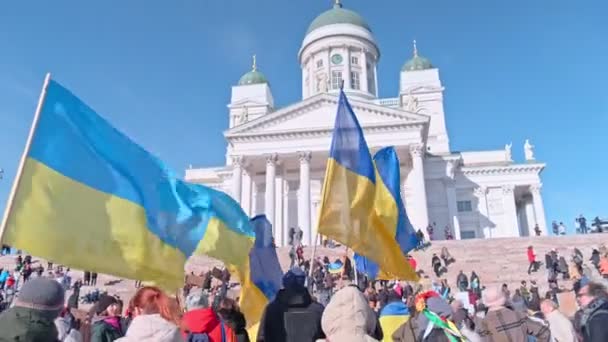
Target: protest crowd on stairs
328 305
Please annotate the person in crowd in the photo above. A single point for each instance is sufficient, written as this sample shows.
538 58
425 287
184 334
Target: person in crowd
93 278
74 297
348 318
446 256
595 258
562 228
534 301
501 324
531 260
475 283
156 318
68 327
537 230
202 321
593 299
3 277
464 322
445 290
525 293
462 281
106 322
429 308
603 266
561 328
436 264
292 315
87 278
230 313
33 313
563 267
517 302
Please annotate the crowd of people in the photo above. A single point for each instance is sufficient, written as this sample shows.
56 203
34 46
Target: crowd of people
329 305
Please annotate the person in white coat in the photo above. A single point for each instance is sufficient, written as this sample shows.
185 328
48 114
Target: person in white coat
156 320
561 327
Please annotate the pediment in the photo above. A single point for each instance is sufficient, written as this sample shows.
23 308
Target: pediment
247 103
422 89
319 113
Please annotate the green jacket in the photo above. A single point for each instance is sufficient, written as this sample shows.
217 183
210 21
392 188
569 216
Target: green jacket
23 324
104 332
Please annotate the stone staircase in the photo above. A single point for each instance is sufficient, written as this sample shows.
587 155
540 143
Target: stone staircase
496 261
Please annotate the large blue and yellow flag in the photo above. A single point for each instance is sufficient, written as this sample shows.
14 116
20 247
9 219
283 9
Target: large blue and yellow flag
387 165
392 316
356 209
89 197
264 279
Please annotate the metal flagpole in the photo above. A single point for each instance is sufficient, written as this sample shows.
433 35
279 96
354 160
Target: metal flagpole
28 144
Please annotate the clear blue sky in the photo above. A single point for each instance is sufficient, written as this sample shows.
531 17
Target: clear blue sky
161 71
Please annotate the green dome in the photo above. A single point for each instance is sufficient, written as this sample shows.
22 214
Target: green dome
417 62
253 77
337 15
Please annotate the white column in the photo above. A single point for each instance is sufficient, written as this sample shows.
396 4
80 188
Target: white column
237 177
376 80
482 209
255 209
420 216
246 193
285 197
278 221
363 76
347 80
510 228
454 222
271 170
304 197
530 216
539 208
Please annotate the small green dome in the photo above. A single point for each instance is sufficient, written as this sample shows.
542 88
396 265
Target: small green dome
417 62
337 15
254 76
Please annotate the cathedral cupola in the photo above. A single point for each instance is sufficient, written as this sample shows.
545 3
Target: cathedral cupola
417 62
339 48
254 76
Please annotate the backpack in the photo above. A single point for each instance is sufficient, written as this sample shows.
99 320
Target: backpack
204 337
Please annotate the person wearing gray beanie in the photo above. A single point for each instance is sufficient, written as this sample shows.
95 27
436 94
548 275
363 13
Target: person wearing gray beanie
34 311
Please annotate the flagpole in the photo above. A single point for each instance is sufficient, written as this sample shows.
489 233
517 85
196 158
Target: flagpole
28 144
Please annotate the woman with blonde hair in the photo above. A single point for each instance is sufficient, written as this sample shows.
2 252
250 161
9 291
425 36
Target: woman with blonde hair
156 317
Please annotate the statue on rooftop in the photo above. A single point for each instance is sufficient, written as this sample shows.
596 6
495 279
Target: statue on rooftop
529 150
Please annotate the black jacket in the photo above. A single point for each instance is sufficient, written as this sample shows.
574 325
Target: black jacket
236 321
594 321
293 317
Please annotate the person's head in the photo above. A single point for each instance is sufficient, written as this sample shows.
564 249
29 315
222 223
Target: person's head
523 283
294 278
197 299
547 306
42 294
505 287
150 300
590 292
108 306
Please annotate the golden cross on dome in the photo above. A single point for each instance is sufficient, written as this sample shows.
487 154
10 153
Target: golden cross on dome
338 3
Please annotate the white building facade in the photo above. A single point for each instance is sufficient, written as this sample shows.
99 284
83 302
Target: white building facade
276 158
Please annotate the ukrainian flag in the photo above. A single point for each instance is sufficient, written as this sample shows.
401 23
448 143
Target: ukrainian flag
392 316
387 164
264 277
88 197
336 267
357 209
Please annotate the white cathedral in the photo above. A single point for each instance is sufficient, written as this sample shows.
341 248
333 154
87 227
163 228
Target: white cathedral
276 157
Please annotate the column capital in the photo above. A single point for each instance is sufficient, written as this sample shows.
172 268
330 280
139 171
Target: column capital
417 150
238 160
304 156
508 189
271 159
535 188
481 191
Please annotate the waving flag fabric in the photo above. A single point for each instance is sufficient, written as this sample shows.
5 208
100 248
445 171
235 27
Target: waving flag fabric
263 279
91 198
392 316
336 267
356 209
387 164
